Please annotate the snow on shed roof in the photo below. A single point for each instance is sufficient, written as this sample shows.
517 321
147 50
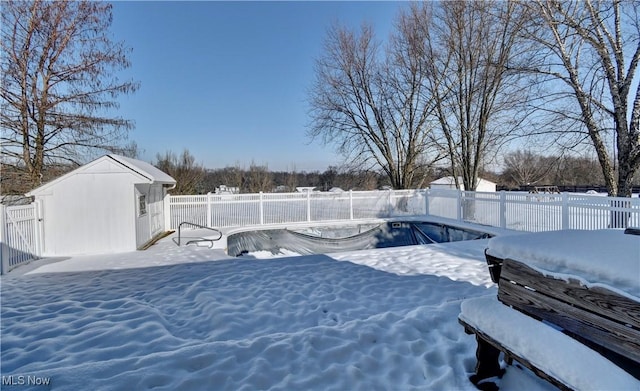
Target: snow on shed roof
144 170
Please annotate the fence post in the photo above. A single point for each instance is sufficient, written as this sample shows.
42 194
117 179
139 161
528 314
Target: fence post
209 216
166 203
459 205
39 228
261 208
350 204
3 241
503 209
390 207
426 201
308 206
565 211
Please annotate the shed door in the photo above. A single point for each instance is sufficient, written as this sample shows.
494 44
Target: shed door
143 229
156 210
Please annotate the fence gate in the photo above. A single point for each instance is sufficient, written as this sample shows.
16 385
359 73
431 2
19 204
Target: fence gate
19 234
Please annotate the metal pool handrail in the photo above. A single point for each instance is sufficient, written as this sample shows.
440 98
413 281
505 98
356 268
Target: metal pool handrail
198 226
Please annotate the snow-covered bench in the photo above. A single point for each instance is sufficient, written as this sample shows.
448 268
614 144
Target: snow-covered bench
568 309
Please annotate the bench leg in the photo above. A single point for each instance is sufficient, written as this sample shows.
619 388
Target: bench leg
488 364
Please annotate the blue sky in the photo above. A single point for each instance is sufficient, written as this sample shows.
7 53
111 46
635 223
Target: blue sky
229 80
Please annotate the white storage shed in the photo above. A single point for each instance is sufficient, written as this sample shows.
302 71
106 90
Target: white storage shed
449 183
112 204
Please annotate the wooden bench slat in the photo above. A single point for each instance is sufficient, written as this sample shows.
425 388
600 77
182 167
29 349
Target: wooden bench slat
595 299
601 331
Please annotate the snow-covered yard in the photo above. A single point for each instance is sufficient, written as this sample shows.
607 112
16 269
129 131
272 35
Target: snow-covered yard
191 318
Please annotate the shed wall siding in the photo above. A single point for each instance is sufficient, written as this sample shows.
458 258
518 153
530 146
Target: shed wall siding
440 186
105 166
486 186
448 183
90 213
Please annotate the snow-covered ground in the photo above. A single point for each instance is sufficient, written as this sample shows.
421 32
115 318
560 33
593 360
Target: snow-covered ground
191 318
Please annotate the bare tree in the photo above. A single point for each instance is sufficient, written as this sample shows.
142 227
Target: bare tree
478 100
232 176
527 168
522 168
257 179
371 103
58 69
577 170
188 174
291 179
592 49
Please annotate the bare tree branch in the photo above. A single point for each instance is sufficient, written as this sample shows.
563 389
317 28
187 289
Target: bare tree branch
58 83
594 41
371 104
469 51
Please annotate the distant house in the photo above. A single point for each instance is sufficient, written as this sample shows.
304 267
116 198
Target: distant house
112 204
223 189
305 189
281 189
449 183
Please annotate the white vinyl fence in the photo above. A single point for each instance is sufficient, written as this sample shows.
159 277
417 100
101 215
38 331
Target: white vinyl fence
512 210
20 235
21 230
535 212
214 210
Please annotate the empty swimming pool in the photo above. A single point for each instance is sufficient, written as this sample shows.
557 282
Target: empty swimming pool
328 239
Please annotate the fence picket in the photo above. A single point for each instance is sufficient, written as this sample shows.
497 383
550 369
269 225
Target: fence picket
20 235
